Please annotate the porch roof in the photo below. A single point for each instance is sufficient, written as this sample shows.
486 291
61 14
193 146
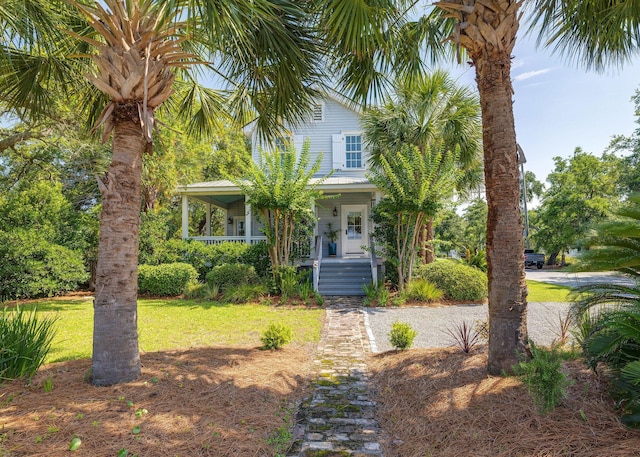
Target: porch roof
225 187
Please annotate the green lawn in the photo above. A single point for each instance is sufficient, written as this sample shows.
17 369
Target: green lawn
178 324
543 292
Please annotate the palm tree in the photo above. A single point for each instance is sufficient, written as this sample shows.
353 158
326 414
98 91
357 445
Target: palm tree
138 49
595 33
611 333
487 31
423 111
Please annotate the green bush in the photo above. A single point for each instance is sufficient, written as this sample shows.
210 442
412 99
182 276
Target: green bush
166 280
402 335
200 255
257 255
25 340
231 275
276 336
423 290
456 280
544 378
32 267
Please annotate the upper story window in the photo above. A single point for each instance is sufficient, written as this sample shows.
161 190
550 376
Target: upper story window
353 150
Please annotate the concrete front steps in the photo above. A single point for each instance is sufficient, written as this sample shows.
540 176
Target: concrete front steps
344 278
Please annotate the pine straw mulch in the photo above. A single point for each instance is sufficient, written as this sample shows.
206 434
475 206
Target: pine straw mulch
214 401
442 403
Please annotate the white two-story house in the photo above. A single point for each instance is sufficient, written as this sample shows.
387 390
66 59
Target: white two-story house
334 131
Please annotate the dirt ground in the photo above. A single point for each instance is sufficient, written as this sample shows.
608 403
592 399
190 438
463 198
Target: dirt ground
231 401
442 403
218 401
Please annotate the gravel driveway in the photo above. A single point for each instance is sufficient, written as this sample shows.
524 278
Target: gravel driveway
431 323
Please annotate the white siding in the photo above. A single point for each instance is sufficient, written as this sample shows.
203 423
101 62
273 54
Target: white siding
337 119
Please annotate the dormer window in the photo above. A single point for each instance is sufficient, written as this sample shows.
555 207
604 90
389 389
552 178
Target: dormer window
317 115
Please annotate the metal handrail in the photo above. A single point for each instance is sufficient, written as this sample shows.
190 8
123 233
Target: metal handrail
317 261
373 261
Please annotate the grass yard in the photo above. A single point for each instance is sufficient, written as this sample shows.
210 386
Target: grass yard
178 324
544 292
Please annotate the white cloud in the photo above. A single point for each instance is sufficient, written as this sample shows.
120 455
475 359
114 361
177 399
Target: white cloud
531 74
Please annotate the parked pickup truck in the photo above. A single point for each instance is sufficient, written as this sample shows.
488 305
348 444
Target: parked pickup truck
532 258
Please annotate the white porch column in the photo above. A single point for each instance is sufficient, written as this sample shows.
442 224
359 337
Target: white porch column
378 197
208 219
185 217
247 221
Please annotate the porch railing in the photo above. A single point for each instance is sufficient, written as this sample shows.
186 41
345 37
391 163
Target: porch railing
228 239
300 250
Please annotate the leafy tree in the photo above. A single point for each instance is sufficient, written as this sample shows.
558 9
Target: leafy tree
582 191
475 231
421 111
448 226
415 185
281 191
535 188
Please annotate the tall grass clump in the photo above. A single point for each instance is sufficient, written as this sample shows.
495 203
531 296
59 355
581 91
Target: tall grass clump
423 290
25 339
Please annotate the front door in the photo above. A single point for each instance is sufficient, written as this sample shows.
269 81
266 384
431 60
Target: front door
354 229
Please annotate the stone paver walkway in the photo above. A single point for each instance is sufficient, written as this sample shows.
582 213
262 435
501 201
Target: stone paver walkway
339 420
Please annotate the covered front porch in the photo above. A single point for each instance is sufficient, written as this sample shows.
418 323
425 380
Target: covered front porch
228 216
347 210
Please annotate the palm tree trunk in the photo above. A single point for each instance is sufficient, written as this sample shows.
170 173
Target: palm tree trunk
507 286
115 332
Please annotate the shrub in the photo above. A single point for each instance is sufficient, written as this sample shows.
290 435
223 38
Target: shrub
276 336
165 280
423 290
456 280
402 335
200 255
543 377
32 267
25 340
257 255
244 293
230 275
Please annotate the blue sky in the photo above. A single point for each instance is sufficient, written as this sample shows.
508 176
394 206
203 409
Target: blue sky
559 106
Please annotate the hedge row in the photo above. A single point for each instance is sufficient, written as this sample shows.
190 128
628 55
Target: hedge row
168 279
203 257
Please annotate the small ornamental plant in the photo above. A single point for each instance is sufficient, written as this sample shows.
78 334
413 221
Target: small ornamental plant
402 335
276 336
